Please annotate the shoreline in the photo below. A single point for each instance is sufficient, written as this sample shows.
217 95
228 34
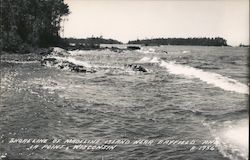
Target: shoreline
40 52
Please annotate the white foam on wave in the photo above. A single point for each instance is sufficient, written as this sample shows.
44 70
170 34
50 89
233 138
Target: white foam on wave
147 50
73 60
149 60
232 139
154 60
78 52
145 59
185 51
215 79
58 50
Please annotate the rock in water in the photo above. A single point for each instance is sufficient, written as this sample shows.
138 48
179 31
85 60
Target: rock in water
116 49
133 48
63 64
136 67
49 61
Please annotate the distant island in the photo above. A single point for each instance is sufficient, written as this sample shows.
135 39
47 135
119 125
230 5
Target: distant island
92 40
217 41
88 43
243 45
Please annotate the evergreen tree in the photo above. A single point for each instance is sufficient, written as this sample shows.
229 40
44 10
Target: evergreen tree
31 22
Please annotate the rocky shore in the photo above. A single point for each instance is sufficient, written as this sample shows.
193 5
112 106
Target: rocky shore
61 59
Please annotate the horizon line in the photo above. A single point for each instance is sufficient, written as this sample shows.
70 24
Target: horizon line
241 43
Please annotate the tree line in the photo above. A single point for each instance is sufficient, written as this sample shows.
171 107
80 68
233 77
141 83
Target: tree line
88 43
218 41
92 40
31 23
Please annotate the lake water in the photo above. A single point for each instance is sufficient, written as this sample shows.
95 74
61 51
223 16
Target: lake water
191 94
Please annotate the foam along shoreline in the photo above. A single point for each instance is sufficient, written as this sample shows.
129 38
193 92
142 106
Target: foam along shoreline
60 59
63 59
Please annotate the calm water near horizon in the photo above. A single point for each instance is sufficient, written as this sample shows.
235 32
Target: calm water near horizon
190 93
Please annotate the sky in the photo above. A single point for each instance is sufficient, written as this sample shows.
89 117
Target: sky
126 20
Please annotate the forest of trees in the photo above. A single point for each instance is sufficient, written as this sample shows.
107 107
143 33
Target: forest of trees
31 23
92 40
88 43
182 41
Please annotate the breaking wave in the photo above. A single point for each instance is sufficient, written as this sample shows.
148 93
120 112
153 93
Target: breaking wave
77 52
147 50
215 79
73 60
149 60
